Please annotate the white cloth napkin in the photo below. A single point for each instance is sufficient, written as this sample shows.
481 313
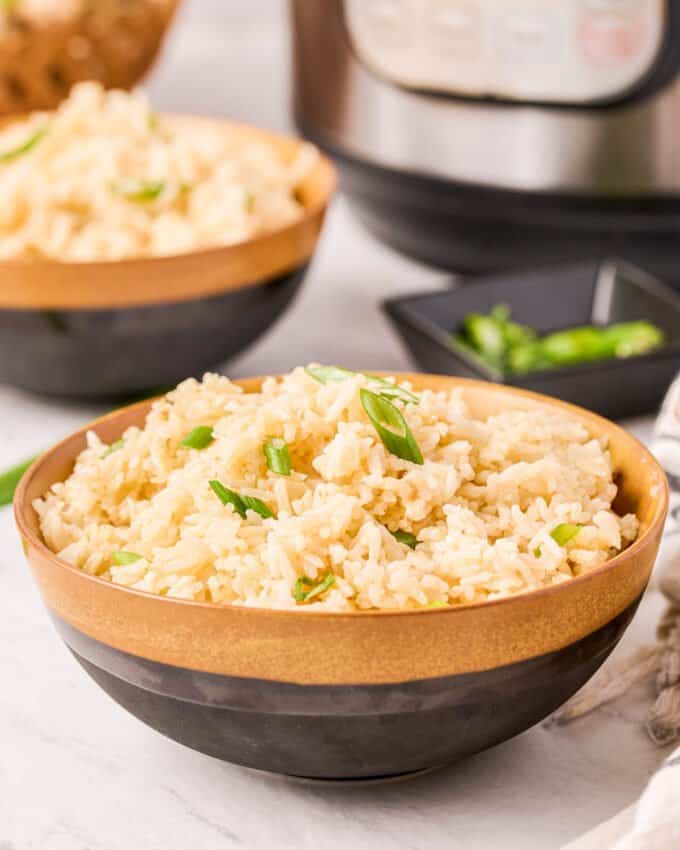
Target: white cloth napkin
653 823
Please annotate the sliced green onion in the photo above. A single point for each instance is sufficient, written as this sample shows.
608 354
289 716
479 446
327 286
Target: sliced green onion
9 481
389 390
336 375
200 438
406 538
391 427
564 532
306 588
125 558
114 447
329 374
278 456
438 603
228 497
24 147
537 552
142 191
239 503
251 503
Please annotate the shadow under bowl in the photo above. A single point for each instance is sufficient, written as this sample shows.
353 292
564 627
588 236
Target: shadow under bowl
357 695
113 328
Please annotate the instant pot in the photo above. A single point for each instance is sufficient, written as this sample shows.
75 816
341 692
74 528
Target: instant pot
484 134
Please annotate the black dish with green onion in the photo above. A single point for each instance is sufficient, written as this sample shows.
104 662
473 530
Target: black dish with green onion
516 349
603 335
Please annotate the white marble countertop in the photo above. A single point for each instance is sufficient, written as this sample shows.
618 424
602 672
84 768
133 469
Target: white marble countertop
78 773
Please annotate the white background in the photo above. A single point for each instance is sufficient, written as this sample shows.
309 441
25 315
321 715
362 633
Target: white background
78 773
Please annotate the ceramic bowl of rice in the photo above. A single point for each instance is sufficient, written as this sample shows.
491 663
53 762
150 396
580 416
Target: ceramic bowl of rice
137 248
343 575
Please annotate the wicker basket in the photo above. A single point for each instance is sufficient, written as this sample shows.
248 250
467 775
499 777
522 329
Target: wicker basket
48 45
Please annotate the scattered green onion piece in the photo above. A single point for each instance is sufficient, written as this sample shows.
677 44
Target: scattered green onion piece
125 558
251 503
336 375
631 338
228 497
576 345
114 447
389 390
391 427
438 603
200 438
24 147
329 374
406 538
306 588
249 202
239 503
485 335
278 456
564 532
537 552
141 191
9 481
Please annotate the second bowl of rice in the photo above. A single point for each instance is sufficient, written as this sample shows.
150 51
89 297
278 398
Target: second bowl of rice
138 248
339 574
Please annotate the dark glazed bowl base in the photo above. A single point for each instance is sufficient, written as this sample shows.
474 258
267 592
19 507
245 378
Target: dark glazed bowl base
350 732
109 354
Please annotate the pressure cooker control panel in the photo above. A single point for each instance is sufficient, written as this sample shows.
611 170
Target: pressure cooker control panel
560 51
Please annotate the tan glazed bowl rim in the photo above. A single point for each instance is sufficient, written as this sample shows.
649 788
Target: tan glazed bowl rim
25 514
43 284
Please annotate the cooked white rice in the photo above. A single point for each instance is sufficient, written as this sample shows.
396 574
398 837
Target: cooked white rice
103 178
482 505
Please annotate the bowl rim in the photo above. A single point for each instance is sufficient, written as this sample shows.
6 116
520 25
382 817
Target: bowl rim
22 508
33 271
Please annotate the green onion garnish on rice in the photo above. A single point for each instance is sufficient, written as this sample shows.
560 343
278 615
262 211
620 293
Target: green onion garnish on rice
438 603
329 374
391 427
252 503
125 558
564 532
199 438
278 456
537 552
307 588
239 503
389 390
141 191
24 147
114 447
336 375
406 538
9 481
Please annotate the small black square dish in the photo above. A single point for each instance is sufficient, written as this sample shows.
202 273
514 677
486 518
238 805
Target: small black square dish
599 293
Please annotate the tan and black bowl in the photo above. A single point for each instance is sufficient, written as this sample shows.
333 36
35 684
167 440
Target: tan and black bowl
112 329
357 695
